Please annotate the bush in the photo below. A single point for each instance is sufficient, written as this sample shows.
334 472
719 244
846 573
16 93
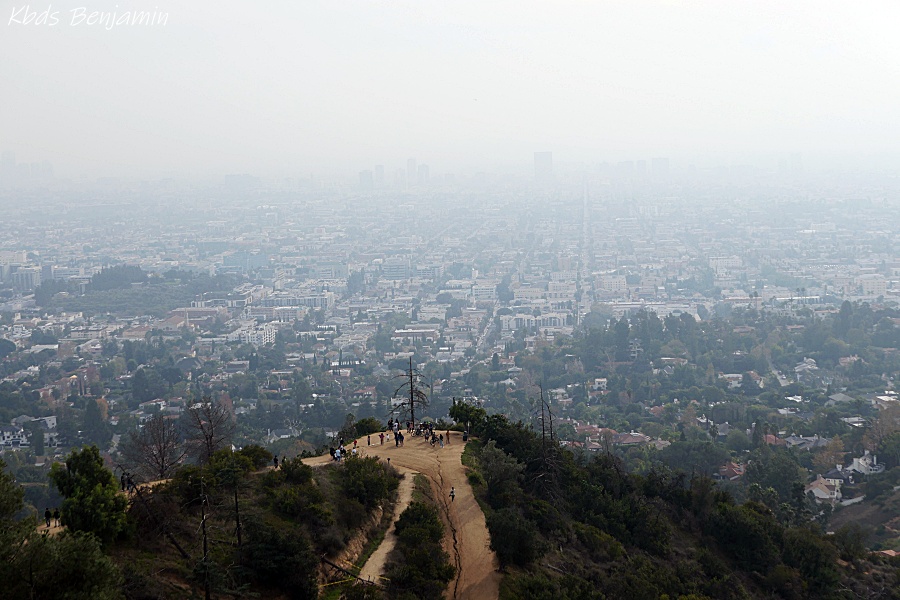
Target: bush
851 541
296 472
513 538
368 426
475 479
418 524
365 480
742 533
812 555
600 545
186 484
276 557
259 456
419 567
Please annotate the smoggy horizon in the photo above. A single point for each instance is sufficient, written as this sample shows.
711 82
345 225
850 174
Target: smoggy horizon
288 89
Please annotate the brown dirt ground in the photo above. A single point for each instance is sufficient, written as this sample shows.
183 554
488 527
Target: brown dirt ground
467 542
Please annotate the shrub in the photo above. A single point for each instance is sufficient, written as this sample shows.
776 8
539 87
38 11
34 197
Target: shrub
276 557
368 426
812 555
600 545
365 480
419 567
259 456
514 539
296 472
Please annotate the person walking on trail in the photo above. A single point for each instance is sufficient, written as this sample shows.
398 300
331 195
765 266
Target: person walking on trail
122 479
448 437
47 516
452 493
56 516
275 460
441 440
381 435
368 440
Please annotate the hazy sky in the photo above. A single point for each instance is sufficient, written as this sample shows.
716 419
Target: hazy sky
291 87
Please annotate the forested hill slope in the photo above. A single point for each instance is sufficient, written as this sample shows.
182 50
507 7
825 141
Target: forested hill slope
567 527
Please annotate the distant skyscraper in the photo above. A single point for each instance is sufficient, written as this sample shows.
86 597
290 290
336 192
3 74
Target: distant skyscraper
411 172
543 167
366 181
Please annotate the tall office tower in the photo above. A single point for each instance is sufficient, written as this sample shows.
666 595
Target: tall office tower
543 168
379 175
366 181
422 178
411 172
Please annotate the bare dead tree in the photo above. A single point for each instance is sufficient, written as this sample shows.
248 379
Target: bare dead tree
208 427
156 449
413 392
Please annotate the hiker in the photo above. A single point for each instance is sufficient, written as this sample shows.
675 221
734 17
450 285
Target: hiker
369 440
122 479
396 439
56 516
331 451
47 516
441 440
275 460
452 493
129 482
381 435
448 437
337 455
354 444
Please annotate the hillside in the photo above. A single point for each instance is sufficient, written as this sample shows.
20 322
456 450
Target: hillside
529 519
576 527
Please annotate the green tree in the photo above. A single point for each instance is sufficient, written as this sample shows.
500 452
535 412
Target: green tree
467 414
776 469
70 565
737 441
6 348
96 430
36 436
92 502
513 538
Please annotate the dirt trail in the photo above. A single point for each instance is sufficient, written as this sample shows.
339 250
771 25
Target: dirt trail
374 567
467 542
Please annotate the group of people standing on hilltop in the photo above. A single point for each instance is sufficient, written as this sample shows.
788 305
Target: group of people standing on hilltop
341 452
127 481
51 516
